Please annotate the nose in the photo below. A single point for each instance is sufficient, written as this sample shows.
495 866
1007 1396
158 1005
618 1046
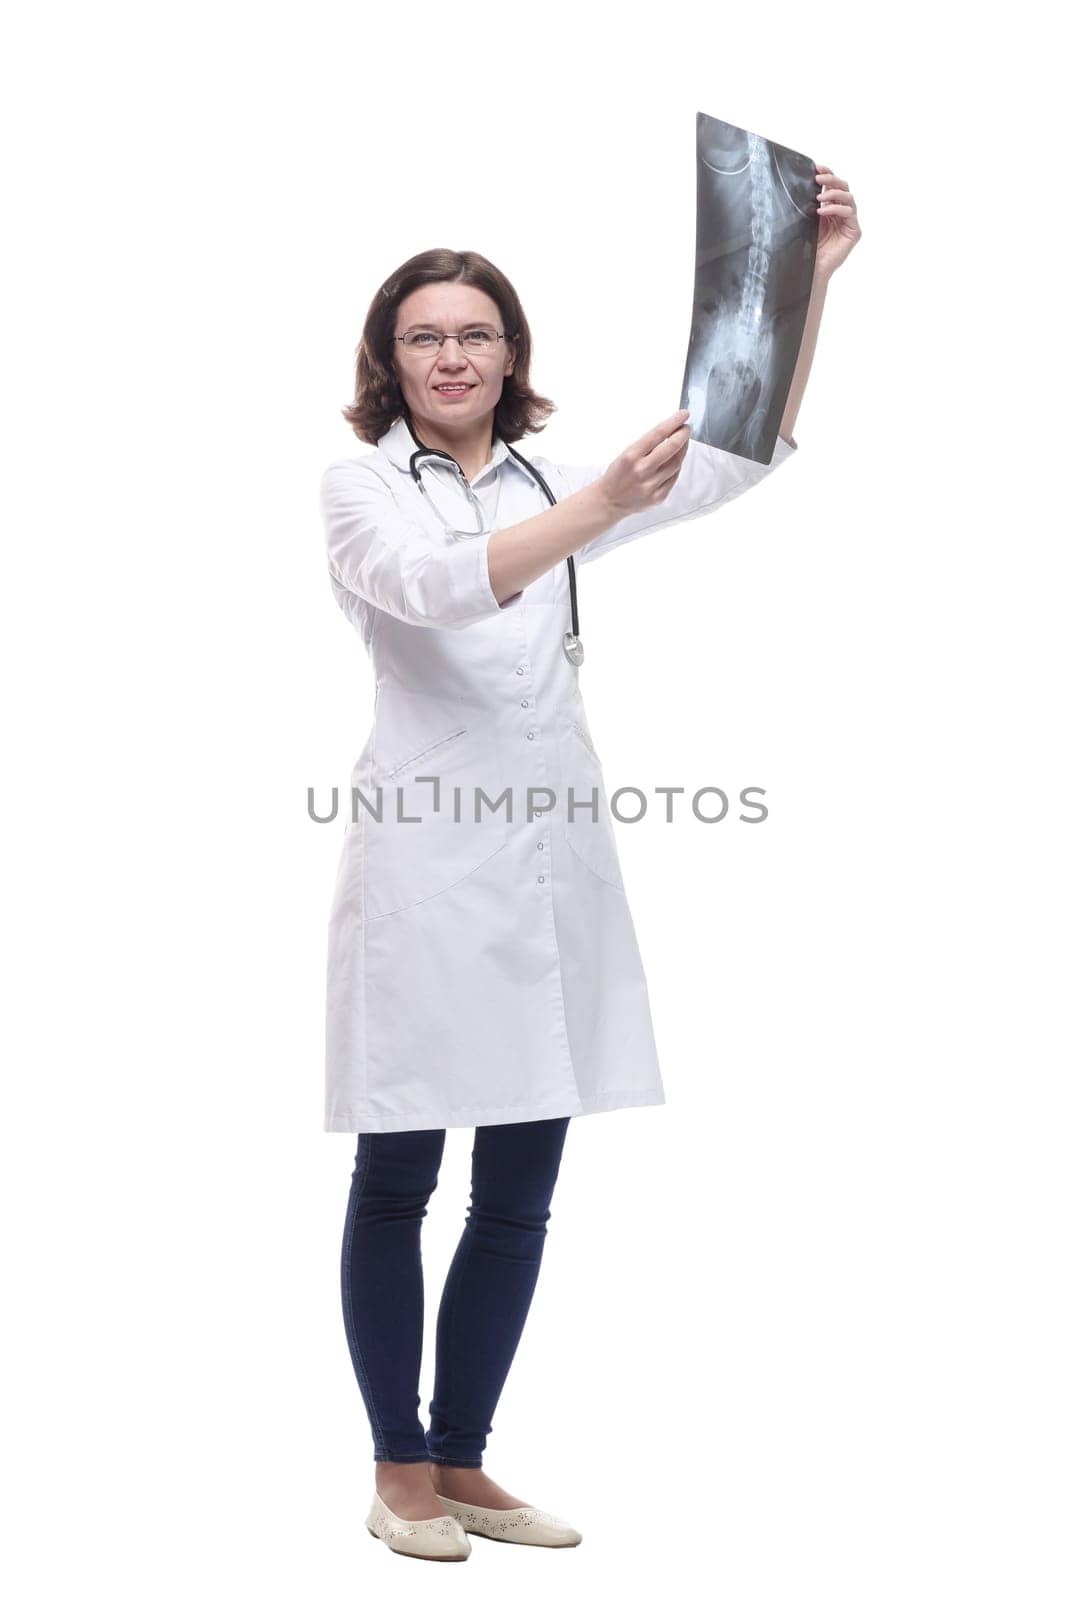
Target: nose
452 354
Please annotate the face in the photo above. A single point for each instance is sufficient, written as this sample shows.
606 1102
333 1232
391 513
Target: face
451 308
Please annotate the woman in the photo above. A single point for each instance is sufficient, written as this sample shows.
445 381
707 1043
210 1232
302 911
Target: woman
482 970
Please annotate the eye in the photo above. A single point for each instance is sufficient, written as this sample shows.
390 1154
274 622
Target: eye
480 338
422 340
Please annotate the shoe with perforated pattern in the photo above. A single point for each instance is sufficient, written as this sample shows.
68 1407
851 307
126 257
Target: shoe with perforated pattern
429 1538
516 1525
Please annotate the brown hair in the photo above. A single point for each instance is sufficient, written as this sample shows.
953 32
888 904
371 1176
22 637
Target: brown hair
379 401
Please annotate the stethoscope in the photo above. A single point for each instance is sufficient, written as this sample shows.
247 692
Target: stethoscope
573 648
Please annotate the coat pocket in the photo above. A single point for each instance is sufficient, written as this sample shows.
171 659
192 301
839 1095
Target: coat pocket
420 755
592 840
437 825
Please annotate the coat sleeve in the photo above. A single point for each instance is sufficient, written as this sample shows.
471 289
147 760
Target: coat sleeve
709 478
378 553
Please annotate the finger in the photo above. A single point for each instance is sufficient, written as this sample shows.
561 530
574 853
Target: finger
836 197
830 180
835 211
675 441
670 452
662 430
665 481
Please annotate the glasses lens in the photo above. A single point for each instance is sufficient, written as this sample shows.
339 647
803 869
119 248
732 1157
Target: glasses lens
422 340
480 339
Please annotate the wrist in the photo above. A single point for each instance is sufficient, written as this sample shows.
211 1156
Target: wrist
603 513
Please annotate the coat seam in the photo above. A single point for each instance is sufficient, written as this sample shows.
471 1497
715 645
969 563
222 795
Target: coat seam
588 867
379 916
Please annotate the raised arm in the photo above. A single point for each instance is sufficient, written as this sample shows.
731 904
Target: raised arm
379 553
709 478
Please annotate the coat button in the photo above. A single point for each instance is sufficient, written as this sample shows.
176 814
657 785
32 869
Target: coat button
540 878
520 670
525 702
540 844
529 736
537 813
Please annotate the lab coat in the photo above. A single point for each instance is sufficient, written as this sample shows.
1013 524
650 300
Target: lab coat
481 970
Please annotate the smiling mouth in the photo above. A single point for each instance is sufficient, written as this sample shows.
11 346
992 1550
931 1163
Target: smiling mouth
453 388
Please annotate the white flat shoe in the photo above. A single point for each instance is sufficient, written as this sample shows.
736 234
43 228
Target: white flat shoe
429 1538
517 1525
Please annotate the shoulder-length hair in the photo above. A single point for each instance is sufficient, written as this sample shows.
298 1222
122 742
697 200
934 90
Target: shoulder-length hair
378 399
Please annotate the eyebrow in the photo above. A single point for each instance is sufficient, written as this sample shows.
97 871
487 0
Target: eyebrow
431 327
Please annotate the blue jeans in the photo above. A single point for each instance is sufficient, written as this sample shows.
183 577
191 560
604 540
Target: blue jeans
486 1294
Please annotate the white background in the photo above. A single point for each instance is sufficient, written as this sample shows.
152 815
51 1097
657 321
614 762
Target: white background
796 1331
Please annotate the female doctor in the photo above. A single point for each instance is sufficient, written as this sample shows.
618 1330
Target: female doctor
482 967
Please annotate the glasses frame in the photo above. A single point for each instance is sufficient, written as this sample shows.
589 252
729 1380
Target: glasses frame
440 338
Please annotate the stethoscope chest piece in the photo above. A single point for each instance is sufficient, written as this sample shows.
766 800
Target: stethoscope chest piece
573 648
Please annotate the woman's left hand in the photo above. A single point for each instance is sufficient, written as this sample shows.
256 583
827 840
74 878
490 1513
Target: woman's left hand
839 229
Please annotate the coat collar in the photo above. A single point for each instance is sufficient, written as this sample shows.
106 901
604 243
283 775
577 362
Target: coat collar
398 445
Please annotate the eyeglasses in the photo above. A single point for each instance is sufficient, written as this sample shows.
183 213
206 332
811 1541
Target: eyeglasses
428 341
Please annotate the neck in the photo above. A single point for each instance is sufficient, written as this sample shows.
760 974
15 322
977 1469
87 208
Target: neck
471 446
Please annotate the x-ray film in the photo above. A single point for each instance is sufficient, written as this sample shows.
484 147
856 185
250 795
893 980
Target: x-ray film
756 232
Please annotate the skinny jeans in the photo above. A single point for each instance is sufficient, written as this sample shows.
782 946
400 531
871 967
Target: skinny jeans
486 1295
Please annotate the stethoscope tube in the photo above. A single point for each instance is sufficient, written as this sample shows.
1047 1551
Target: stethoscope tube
573 648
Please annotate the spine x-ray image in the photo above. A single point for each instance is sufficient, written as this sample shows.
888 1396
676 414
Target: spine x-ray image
757 227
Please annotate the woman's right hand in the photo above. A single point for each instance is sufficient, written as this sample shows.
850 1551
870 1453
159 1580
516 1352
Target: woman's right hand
647 470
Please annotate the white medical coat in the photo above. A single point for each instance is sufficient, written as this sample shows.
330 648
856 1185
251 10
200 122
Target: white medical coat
484 970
